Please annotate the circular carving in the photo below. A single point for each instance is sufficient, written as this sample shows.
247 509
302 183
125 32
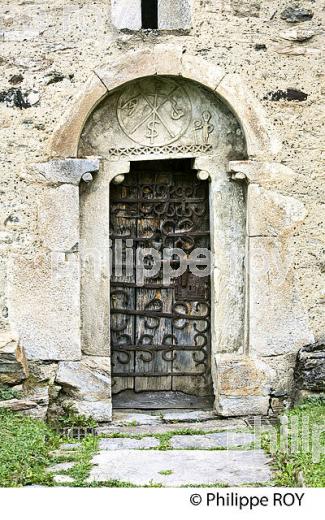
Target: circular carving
154 111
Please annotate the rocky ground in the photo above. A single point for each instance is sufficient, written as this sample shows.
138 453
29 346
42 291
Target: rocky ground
168 449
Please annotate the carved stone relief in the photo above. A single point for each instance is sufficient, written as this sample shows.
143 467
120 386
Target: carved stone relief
162 116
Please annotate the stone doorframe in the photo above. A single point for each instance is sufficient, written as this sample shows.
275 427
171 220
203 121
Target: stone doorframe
276 324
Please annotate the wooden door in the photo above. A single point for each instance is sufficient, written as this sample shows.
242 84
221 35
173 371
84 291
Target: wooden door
160 331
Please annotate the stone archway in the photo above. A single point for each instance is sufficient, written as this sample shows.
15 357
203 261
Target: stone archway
274 322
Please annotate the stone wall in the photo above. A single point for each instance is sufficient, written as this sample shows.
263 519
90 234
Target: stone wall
48 51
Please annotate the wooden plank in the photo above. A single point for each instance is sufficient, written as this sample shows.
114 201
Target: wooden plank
122 297
150 329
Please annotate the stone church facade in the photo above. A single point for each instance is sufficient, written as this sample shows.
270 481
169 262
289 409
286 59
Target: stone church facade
196 125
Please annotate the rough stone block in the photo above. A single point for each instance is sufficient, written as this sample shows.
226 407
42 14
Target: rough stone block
271 214
236 406
44 305
267 174
13 363
126 14
68 171
242 377
175 15
310 368
100 411
39 395
58 221
18 405
88 379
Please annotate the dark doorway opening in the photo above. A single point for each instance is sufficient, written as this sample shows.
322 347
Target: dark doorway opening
149 13
160 328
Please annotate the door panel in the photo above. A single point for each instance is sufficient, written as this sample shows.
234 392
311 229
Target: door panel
160 328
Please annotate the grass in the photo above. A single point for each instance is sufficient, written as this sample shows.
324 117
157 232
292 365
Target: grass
294 466
24 450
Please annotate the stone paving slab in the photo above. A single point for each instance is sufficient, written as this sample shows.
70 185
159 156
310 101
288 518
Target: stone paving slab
212 440
128 444
61 466
188 416
218 424
70 446
63 479
188 467
126 419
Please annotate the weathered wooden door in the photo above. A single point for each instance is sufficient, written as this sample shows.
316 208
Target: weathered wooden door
160 331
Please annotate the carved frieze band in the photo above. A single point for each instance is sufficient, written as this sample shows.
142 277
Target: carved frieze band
160 150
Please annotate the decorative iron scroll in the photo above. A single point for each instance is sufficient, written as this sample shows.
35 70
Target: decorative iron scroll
154 325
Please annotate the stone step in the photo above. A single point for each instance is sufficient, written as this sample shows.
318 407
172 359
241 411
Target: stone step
181 467
160 427
188 416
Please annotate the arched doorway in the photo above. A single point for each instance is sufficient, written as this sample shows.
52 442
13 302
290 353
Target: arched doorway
162 331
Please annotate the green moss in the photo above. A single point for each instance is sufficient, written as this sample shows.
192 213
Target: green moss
6 393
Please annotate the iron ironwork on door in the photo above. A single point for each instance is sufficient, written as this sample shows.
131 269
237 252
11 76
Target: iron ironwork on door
160 332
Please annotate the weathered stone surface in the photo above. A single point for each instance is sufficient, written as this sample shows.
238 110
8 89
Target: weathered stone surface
271 214
211 440
43 370
88 379
39 395
246 8
266 174
63 479
21 36
298 34
127 419
261 141
310 368
236 406
100 411
61 466
18 405
297 50
94 256
128 444
242 376
187 467
58 218
37 289
187 416
13 363
278 321
68 171
208 426
126 14
70 446
296 13
175 15
228 244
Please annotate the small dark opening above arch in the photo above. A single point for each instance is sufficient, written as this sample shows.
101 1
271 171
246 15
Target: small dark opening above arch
149 13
